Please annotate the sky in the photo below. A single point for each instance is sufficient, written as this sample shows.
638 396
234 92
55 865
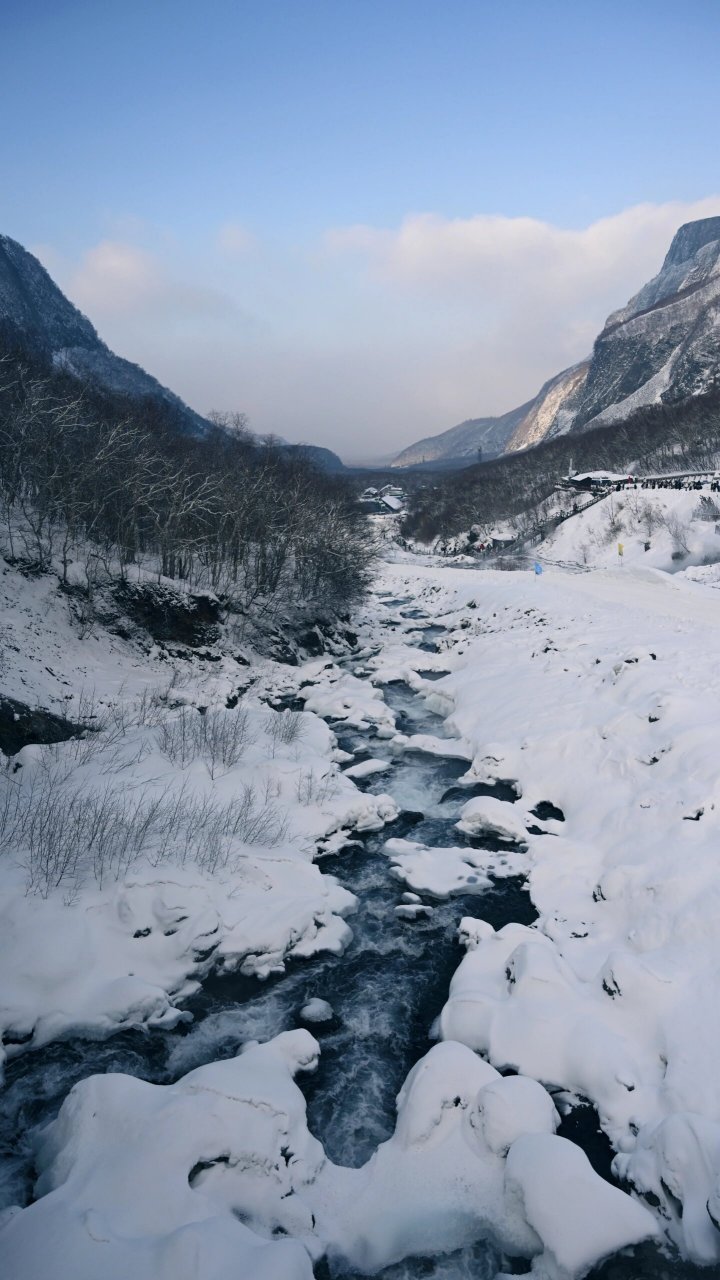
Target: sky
357 221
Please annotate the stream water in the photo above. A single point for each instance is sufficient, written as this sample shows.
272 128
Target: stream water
385 991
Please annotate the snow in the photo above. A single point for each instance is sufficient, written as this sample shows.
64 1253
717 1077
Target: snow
544 1172
667 519
367 768
596 692
442 872
484 815
218 1175
338 695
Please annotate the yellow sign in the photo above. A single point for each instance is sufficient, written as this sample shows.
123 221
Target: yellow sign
621 548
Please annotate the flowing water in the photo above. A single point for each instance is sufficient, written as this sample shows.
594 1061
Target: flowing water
385 991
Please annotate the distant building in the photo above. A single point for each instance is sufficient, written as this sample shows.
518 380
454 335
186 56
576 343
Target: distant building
597 479
386 501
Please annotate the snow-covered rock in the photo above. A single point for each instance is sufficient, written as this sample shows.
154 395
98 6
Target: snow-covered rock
317 1010
217 1175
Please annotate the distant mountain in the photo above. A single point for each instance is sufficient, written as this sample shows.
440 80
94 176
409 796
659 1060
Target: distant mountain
39 315
662 347
36 316
489 434
323 459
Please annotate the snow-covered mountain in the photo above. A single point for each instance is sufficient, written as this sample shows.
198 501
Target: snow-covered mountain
528 424
464 440
36 314
663 345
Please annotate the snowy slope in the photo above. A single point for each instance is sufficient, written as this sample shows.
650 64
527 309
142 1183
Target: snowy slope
514 430
138 913
678 527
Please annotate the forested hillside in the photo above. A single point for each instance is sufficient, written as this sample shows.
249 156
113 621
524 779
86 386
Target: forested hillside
96 483
656 438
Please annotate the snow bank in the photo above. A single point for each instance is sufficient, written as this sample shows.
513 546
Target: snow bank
597 695
218 1175
177 835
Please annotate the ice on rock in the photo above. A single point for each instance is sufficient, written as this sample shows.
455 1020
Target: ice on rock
515 998
338 695
673 1164
370 813
512 1106
443 872
413 911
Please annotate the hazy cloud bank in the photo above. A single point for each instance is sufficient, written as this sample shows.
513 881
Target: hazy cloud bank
375 337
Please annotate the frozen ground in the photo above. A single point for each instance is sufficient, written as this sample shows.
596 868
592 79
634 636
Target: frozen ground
561 731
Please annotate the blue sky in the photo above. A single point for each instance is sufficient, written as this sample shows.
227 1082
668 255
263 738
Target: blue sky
323 213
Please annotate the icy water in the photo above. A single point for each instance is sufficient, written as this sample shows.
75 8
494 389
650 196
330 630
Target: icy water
385 992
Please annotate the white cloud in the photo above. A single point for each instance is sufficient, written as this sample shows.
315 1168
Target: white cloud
512 300
384 335
511 257
115 279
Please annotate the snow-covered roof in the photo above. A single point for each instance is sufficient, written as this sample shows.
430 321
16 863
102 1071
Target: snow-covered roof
611 477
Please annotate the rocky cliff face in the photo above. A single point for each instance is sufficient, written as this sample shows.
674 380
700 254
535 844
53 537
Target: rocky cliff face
664 345
547 405
38 315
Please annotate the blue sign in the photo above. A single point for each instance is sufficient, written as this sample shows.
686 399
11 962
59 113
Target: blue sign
538 567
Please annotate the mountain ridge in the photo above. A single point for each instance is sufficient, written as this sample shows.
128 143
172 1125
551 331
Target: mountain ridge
661 347
35 314
39 312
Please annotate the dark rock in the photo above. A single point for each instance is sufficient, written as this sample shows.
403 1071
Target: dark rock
21 725
545 811
170 616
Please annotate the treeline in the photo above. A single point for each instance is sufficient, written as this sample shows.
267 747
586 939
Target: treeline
104 482
663 437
